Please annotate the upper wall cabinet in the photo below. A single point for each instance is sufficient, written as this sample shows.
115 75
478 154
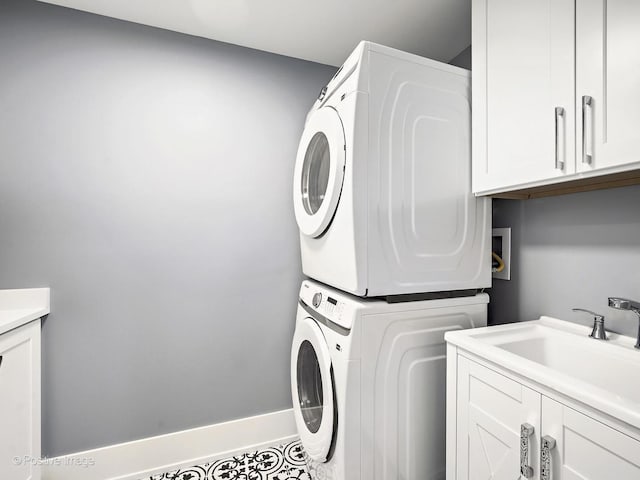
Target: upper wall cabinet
555 92
608 83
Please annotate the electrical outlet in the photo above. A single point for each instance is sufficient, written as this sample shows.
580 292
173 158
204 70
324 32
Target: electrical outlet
501 246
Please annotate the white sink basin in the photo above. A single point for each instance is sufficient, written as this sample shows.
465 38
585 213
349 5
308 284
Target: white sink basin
560 355
597 366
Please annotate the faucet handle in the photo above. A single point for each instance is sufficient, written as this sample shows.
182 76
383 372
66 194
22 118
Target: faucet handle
598 332
596 316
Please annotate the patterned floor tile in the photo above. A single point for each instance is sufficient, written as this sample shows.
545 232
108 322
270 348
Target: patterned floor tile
285 462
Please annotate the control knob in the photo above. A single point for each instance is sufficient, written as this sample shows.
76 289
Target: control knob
317 298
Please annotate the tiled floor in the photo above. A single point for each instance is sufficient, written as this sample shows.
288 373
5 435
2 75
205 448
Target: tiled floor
285 462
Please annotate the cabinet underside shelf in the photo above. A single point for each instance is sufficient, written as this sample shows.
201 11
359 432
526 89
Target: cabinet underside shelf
601 182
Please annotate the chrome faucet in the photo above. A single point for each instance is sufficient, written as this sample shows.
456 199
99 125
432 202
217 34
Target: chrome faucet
624 304
598 332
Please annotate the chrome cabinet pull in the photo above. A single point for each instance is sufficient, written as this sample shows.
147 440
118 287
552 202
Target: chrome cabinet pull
587 104
526 430
548 444
559 116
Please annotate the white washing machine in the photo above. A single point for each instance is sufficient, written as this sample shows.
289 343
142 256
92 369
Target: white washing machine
368 382
382 181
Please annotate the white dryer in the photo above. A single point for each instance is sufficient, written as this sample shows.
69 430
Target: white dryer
368 382
382 181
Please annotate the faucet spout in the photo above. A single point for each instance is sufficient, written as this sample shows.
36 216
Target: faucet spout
632 306
624 304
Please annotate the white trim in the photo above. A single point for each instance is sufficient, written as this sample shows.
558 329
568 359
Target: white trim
150 456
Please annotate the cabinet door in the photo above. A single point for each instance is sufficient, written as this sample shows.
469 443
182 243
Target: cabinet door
491 409
586 449
607 81
523 71
20 403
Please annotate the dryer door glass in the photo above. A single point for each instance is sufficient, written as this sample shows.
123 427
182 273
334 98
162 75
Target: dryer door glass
309 386
319 172
315 173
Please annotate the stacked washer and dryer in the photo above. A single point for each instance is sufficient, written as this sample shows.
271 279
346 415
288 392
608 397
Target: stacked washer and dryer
397 248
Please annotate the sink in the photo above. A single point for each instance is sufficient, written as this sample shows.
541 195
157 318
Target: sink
560 355
589 363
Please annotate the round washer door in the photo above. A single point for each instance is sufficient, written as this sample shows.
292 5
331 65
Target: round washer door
312 389
319 171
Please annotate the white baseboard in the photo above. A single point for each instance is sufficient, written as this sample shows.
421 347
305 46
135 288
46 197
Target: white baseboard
150 456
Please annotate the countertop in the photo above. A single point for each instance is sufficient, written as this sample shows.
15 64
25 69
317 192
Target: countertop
21 306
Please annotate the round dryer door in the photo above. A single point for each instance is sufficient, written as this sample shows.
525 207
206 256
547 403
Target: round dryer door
319 171
312 388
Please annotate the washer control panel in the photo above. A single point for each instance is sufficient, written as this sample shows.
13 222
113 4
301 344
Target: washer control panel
335 306
331 306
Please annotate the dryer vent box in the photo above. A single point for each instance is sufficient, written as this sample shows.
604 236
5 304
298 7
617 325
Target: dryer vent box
501 246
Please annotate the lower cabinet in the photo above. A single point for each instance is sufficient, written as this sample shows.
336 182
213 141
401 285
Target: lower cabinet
506 430
585 449
20 403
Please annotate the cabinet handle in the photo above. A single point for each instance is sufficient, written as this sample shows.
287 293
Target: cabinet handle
587 104
548 444
526 430
559 116
1 357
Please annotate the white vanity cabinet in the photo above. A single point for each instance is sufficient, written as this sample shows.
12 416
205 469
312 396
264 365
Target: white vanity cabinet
21 311
20 402
555 94
499 426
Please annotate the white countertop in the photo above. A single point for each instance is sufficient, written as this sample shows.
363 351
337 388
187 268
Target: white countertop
21 306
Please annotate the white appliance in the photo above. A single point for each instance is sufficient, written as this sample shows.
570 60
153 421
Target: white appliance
368 382
382 181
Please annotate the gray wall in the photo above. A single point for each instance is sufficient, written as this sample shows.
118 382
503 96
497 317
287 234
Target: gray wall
570 251
145 176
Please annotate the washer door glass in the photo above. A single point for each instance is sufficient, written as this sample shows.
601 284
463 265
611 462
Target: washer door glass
315 173
319 172
309 386
312 389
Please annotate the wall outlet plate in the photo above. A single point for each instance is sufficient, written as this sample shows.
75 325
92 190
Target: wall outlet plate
501 245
